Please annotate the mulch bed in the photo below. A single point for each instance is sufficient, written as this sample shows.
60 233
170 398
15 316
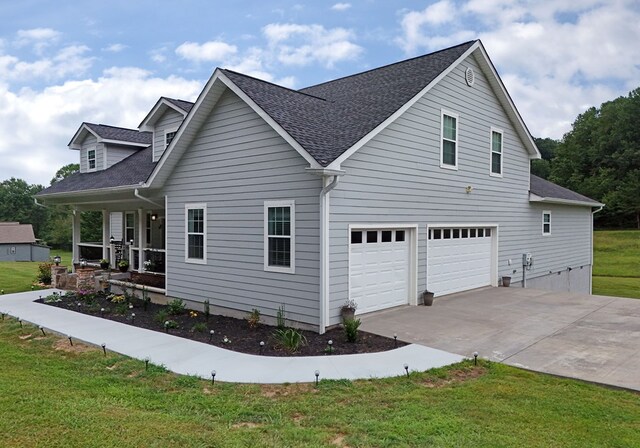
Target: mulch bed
242 337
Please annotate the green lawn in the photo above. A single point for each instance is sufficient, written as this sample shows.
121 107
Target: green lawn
616 267
20 275
56 396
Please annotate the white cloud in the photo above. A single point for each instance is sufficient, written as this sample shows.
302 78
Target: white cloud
301 45
209 51
341 6
36 125
68 61
115 48
556 58
39 38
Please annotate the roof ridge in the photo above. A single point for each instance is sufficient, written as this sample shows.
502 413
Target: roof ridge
273 84
387 65
115 127
176 99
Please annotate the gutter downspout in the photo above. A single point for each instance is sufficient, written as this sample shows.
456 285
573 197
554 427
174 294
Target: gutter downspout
139 196
325 207
39 204
593 212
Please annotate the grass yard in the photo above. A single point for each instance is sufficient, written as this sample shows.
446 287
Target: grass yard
54 395
616 267
18 276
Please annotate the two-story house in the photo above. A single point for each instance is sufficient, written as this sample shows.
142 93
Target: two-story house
374 187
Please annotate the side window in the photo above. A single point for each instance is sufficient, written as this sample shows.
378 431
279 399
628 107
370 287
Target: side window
168 137
496 152
91 160
195 233
546 222
279 236
449 141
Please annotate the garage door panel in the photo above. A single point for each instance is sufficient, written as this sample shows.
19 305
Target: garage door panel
379 273
458 264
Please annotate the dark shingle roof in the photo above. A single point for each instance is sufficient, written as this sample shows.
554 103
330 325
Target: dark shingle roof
545 189
121 134
131 171
182 104
329 118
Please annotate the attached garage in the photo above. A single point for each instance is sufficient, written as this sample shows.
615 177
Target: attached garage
381 267
461 258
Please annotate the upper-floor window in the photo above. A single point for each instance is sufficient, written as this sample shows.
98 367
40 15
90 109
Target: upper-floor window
196 233
546 222
449 141
168 138
279 236
91 159
496 152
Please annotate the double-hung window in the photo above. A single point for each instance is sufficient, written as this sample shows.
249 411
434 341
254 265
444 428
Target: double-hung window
169 136
279 236
196 233
129 227
496 152
546 222
449 141
91 160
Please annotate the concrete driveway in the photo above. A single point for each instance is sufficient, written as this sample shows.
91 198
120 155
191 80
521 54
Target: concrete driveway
594 338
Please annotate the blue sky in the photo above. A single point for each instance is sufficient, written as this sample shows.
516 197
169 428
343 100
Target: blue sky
62 63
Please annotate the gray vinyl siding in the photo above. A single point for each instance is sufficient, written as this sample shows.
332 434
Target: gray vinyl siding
396 178
116 225
23 252
116 154
171 119
236 162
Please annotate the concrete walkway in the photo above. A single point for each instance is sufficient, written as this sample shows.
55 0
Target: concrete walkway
195 358
594 338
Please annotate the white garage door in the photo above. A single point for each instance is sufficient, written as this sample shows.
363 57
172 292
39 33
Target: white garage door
458 259
379 268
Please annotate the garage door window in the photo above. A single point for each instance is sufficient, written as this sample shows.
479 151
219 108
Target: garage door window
372 236
356 237
399 235
457 233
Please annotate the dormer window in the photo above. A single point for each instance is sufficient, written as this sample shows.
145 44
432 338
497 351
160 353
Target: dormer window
168 138
91 160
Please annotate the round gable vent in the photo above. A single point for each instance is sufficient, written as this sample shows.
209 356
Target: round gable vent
469 76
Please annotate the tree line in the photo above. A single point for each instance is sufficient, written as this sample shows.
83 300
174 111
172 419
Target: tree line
600 158
52 225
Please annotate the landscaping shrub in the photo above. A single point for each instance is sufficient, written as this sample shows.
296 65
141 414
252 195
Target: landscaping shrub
199 328
351 329
161 317
44 273
280 320
289 339
253 319
175 307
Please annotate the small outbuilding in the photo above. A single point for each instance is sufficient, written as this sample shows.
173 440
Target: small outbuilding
18 243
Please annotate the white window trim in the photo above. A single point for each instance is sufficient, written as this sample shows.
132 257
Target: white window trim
126 227
546 212
195 206
444 112
497 131
169 131
284 203
95 160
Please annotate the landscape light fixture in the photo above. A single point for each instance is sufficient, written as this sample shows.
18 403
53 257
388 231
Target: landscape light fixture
211 333
475 358
104 348
1 291
213 377
166 326
70 340
330 346
42 330
317 377
395 340
32 287
406 369
261 347
20 322
146 363
101 312
133 318
57 259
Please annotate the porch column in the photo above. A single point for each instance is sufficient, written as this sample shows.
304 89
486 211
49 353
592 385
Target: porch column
106 235
142 237
75 238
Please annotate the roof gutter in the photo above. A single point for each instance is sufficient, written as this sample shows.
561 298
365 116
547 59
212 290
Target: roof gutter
325 208
39 204
593 212
139 196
